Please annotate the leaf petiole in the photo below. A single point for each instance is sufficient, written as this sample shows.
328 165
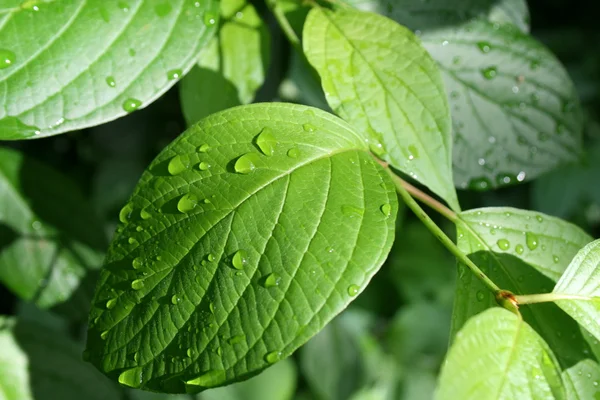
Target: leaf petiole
549 297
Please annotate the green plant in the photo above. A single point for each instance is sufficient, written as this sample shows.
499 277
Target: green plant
253 229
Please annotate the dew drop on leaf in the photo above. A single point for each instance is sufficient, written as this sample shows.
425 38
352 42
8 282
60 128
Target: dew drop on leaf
519 249
209 19
125 213
479 295
137 284
386 209
240 259
273 357
309 127
203 166
203 148
503 244
174 74
104 335
489 72
272 280
110 304
7 58
174 299
131 104
539 218
144 214
555 259
293 153
110 81
187 203
132 241
177 165
353 290
485 47
137 263
480 184
531 240
209 379
131 377
189 352
211 257
247 163
266 142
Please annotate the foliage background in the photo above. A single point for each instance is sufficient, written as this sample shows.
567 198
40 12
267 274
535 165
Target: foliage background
395 335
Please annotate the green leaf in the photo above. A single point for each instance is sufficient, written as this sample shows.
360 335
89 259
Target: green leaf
429 15
515 111
377 76
580 285
36 363
546 243
497 355
275 383
49 236
81 63
581 380
233 65
244 237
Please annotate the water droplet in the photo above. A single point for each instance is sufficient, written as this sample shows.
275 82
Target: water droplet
293 153
7 58
485 47
503 244
272 280
236 339
414 152
539 218
480 295
531 240
125 213
110 304
174 299
123 6
351 211
145 214
110 81
163 9
137 263
489 72
203 166
131 104
377 148
353 290
174 74
480 184
137 284
190 352
266 142
104 335
132 241
386 209
177 165
210 19
139 228
203 148
211 257
273 357
247 163
534 64
209 379
187 203
240 259
555 259
309 127
505 179
519 249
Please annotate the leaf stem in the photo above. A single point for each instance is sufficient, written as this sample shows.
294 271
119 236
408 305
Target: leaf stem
401 188
548 297
285 25
430 201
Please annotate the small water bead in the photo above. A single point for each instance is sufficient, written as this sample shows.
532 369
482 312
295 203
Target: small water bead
266 142
211 307
273 357
110 81
539 218
414 152
125 213
377 148
177 165
139 228
480 295
309 128
519 249
174 74
210 19
534 64
503 244
489 72
7 58
240 259
353 290
133 241
104 335
272 280
187 203
293 152
485 47
144 214
110 304
174 299
480 184
137 263
247 163
203 148
137 284
131 104
209 379
211 257
531 240
203 166
386 209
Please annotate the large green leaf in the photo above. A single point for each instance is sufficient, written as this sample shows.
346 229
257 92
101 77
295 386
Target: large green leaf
581 280
244 237
38 363
582 380
515 111
232 67
49 236
546 243
496 356
79 63
377 76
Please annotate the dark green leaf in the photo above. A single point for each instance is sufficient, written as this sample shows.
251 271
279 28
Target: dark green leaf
49 236
233 65
497 355
244 237
75 64
376 75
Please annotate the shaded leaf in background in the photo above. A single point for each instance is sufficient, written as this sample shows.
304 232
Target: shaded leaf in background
231 248
582 281
47 365
376 75
275 383
82 63
50 238
497 355
232 67
581 380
